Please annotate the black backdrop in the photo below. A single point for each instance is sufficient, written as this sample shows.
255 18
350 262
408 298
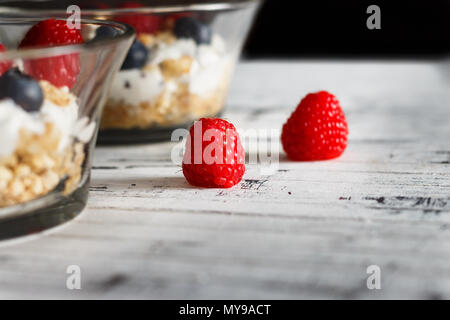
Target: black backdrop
332 28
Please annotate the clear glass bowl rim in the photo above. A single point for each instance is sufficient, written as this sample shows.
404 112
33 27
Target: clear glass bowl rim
42 52
213 6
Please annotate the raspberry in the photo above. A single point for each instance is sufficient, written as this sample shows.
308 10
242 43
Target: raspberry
317 130
142 23
214 157
61 70
4 65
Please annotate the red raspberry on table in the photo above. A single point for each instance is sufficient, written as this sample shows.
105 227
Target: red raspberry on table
4 65
61 70
142 23
317 130
214 157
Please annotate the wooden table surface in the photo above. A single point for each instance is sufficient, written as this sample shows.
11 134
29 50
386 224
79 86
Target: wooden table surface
310 230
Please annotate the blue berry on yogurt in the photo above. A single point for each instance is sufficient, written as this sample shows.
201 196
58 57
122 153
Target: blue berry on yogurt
22 89
137 57
191 28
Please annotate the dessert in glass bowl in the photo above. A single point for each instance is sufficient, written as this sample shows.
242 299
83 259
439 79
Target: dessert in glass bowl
170 78
179 68
53 83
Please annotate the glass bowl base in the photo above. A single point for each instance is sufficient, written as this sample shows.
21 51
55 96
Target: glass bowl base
43 213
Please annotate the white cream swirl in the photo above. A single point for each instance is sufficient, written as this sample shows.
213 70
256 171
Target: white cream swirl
13 118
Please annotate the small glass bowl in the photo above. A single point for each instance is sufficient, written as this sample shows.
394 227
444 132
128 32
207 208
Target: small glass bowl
178 71
47 136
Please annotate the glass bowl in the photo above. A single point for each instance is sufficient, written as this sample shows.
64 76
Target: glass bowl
178 70
51 100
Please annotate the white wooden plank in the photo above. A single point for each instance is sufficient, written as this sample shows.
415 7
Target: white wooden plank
308 231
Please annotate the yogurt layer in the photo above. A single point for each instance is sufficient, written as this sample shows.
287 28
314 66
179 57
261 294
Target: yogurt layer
210 64
13 118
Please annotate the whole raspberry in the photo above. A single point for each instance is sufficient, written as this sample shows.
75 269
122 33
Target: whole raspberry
4 65
61 70
317 130
142 23
214 157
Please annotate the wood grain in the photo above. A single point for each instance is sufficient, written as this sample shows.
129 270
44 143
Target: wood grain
310 230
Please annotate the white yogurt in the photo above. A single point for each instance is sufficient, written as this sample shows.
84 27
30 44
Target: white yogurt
176 50
136 86
13 118
210 64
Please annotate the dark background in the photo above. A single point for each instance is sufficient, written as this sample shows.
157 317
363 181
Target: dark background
332 28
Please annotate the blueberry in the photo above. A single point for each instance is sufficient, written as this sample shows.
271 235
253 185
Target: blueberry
192 28
23 89
105 32
137 57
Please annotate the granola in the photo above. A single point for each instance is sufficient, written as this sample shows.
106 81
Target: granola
42 159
